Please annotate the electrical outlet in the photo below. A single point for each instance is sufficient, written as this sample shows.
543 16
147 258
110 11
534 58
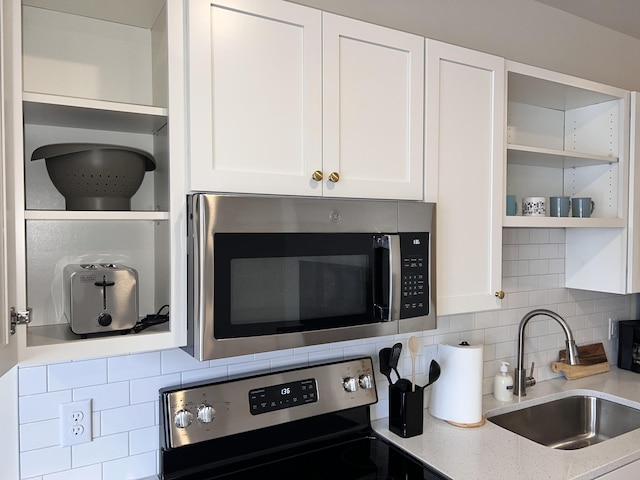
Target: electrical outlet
613 329
75 423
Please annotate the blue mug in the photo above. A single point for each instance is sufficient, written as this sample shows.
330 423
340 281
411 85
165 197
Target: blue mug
512 205
559 206
582 207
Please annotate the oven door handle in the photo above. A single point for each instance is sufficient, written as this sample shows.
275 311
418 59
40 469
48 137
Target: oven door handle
386 267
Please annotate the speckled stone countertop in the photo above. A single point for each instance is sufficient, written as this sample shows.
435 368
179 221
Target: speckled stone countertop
493 453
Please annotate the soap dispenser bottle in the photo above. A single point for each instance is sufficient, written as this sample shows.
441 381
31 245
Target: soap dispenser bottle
503 384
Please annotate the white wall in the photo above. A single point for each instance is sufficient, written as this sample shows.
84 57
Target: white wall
521 30
124 389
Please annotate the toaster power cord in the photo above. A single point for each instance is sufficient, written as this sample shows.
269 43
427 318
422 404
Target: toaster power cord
152 319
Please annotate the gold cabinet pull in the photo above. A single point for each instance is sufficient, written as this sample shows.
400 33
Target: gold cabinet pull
317 175
334 177
500 294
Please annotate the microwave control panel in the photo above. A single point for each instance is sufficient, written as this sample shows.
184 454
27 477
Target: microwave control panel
414 274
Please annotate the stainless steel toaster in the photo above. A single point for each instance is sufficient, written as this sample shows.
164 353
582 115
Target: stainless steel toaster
101 297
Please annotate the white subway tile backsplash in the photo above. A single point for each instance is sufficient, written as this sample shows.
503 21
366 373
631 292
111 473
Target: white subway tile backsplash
35 408
77 374
143 390
33 380
44 460
177 360
528 252
249 368
101 449
539 235
39 434
486 319
460 323
90 472
211 373
118 420
144 440
130 468
557 235
108 395
124 389
128 367
282 363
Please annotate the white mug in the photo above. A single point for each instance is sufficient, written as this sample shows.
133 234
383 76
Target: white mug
534 206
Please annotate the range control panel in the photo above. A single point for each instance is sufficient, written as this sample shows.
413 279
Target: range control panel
205 411
286 395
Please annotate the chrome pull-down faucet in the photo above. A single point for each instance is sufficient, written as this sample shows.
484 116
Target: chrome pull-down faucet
521 381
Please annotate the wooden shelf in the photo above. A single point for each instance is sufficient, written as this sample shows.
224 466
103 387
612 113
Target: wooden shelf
60 111
547 157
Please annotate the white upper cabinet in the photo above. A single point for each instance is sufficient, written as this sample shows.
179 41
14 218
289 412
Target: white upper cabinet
566 137
255 96
94 72
373 84
298 102
464 174
570 137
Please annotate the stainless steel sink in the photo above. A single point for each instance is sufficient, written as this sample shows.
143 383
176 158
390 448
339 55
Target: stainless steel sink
572 422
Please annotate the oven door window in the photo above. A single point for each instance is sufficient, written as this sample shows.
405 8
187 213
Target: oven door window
291 282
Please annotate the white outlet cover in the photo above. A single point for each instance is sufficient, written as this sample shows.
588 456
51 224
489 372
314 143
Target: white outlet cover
75 423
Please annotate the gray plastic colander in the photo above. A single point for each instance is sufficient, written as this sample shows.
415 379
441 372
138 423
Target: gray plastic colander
94 176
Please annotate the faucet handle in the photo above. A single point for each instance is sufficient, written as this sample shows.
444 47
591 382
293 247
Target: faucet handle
529 381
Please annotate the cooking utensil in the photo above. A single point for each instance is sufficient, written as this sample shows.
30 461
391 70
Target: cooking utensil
395 357
383 356
434 372
413 350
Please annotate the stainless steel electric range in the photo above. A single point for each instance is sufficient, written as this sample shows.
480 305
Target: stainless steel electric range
306 423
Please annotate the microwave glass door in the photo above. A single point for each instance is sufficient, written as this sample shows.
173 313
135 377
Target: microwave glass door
270 283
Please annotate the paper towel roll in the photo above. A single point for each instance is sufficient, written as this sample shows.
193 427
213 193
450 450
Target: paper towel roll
457 395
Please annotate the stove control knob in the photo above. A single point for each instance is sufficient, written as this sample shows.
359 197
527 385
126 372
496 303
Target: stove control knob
365 381
350 384
206 413
182 418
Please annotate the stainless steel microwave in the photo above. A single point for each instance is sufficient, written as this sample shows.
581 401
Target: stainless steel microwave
269 273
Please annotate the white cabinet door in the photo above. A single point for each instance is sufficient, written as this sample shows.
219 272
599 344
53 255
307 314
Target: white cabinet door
255 96
10 145
464 174
373 81
633 269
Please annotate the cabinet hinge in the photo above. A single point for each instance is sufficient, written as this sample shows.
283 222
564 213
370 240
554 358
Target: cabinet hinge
19 317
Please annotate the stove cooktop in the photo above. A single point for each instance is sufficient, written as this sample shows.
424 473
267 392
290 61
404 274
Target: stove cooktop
306 423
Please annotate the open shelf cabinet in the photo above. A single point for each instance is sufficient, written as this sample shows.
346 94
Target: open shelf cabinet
98 72
566 137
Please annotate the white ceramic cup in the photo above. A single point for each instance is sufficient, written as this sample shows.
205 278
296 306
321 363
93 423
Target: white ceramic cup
534 206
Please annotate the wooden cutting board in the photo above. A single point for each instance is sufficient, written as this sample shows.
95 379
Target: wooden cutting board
593 360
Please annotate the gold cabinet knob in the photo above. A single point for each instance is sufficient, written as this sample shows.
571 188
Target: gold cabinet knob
317 175
500 294
334 177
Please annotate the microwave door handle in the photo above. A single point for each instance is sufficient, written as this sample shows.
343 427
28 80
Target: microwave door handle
395 281
386 259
